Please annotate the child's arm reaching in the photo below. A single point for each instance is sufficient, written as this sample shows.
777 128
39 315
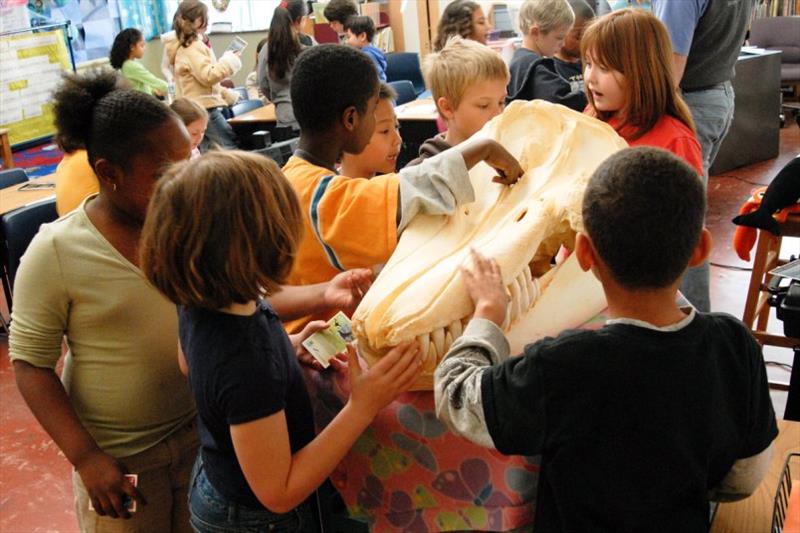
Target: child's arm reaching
280 480
343 292
439 184
457 382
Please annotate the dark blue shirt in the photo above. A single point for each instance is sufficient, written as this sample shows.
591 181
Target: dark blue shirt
241 369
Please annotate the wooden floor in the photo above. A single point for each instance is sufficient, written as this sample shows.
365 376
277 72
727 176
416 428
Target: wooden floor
35 488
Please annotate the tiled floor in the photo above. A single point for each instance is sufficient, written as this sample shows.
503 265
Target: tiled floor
35 488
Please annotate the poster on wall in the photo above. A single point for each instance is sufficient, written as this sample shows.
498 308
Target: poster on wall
31 64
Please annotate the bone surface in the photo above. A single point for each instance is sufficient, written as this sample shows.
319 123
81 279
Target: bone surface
420 294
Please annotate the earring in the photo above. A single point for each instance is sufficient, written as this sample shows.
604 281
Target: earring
114 187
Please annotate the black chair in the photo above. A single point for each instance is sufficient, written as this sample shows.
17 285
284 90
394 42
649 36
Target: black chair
12 176
405 91
18 229
405 66
242 93
279 152
243 107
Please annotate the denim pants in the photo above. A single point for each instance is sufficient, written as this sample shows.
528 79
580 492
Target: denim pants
712 111
211 512
218 132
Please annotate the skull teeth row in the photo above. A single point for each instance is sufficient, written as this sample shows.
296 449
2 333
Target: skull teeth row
524 291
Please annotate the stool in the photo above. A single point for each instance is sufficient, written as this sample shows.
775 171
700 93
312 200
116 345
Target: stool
756 310
5 146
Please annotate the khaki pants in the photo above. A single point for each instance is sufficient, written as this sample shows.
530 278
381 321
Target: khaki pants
163 472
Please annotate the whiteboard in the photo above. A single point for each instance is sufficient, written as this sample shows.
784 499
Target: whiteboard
31 65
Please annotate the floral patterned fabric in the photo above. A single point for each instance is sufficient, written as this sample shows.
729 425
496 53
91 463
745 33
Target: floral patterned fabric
409 473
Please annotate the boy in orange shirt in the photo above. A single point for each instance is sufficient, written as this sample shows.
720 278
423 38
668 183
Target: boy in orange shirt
354 222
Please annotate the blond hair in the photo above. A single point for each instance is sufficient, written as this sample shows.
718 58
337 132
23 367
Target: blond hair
461 63
546 14
221 229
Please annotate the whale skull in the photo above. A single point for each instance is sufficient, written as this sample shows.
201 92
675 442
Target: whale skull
419 293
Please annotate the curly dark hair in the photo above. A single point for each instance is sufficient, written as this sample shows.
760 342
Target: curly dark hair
340 10
121 49
661 196
92 111
322 85
456 20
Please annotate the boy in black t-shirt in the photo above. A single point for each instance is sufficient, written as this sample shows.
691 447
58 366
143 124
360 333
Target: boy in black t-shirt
639 423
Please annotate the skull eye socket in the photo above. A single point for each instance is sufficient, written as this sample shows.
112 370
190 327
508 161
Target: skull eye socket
521 215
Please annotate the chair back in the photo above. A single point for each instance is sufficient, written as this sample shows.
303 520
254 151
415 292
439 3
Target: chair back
279 152
19 227
243 107
405 91
405 66
783 34
12 176
242 91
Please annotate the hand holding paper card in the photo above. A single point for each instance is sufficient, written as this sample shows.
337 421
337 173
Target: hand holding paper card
237 44
324 345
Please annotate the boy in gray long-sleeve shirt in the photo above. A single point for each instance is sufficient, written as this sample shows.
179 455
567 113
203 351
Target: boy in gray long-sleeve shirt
639 423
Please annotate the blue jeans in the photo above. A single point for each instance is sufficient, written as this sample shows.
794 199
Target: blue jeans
218 132
211 512
712 111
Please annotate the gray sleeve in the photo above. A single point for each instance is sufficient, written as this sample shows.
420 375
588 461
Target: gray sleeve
743 478
457 380
261 72
434 187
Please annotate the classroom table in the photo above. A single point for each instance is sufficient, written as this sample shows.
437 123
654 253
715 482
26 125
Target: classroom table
262 118
408 472
417 124
755 512
12 198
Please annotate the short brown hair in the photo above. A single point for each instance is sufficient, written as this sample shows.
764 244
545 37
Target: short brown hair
461 63
188 110
183 22
221 229
635 43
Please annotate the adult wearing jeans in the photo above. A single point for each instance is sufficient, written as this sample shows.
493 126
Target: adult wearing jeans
706 38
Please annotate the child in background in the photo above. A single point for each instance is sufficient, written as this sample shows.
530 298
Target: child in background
352 222
380 155
639 423
127 50
464 18
275 61
544 25
195 118
251 82
628 75
360 32
259 462
568 59
198 73
468 84
337 12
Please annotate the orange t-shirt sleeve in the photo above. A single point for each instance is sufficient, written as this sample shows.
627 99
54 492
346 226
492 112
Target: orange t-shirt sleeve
355 220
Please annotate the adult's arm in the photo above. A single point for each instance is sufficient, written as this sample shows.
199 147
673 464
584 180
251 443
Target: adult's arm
681 18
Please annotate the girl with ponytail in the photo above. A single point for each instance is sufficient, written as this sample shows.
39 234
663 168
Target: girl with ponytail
276 60
121 405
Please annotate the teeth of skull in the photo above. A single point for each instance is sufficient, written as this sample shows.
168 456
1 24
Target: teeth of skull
448 342
532 286
515 303
437 339
433 358
524 300
534 289
424 340
455 329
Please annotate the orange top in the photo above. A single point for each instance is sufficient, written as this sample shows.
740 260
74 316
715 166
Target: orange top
75 180
670 134
348 223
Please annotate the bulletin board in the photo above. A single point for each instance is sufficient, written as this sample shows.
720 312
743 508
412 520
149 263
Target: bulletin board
31 65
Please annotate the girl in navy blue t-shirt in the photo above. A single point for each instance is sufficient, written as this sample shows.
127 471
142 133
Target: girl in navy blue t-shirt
221 232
